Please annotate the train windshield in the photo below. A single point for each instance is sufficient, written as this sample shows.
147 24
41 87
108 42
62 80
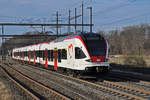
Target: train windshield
95 44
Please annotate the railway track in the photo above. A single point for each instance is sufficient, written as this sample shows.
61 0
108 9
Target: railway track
119 90
19 85
67 87
133 91
45 92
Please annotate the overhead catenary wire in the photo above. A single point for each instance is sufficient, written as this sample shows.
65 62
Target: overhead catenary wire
125 19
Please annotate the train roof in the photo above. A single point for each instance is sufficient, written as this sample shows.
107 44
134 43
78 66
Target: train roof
84 36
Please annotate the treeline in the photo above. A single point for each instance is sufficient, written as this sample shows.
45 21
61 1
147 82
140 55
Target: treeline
131 40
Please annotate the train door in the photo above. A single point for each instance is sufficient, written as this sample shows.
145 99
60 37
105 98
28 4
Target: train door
55 59
46 58
34 56
29 56
23 57
40 56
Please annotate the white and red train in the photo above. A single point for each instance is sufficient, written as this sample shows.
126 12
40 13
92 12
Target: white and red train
79 53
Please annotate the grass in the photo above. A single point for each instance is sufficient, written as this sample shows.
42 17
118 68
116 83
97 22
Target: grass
140 64
141 61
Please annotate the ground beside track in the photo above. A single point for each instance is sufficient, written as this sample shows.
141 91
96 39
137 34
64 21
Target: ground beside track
8 90
136 69
4 92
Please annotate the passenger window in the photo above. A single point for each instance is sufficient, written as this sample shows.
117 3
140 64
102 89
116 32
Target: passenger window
27 53
59 55
79 54
43 54
51 55
64 54
32 54
37 55
40 54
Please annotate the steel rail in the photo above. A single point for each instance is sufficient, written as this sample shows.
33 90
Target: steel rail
145 82
19 85
127 87
42 86
100 86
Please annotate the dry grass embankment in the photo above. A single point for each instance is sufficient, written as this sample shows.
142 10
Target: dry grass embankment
4 94
131 63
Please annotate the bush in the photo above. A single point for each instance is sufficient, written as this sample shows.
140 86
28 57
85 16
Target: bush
134 60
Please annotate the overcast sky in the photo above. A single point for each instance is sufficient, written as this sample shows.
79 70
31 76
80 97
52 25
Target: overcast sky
107 14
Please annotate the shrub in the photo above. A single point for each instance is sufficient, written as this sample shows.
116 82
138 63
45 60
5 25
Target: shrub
134 60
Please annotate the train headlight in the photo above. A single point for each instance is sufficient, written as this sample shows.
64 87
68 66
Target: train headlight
106 60
86 69
88 60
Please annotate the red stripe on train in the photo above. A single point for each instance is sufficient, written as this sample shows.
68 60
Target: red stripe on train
34 56
46 56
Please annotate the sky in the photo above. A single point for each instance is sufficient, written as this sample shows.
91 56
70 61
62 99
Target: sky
107 14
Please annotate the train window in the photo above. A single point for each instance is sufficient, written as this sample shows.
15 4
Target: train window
27 54
64 54
37 54
20 54
49 55
52 55
40 54
32 54
23 53
79 54
43 54
59 55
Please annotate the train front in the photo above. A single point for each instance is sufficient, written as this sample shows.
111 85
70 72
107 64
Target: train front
98 51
